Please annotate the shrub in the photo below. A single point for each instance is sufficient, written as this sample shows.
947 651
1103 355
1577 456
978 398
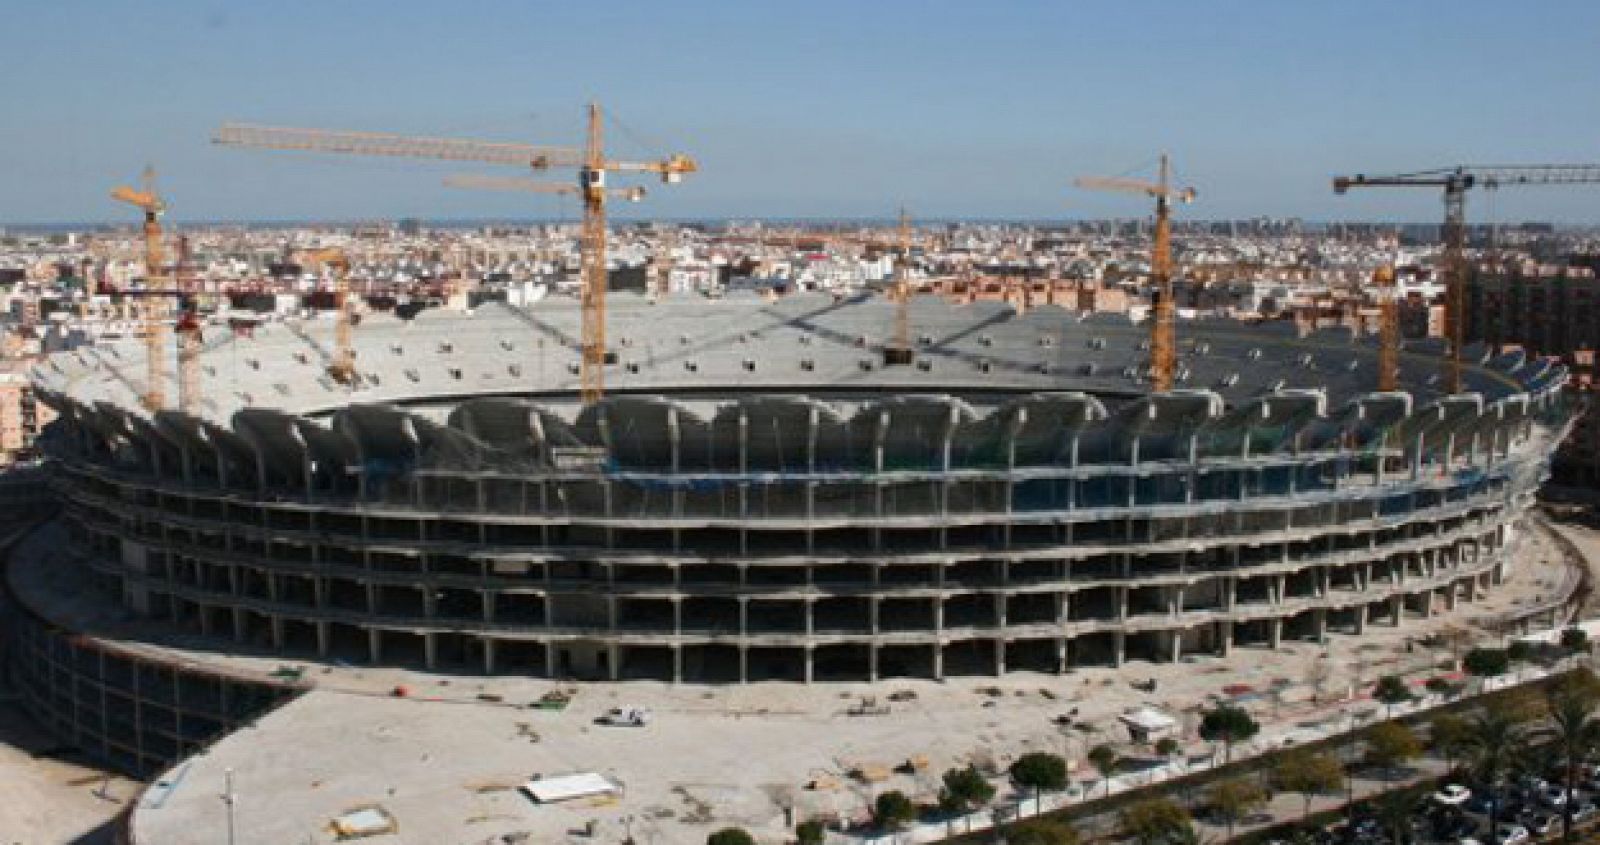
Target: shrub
731 836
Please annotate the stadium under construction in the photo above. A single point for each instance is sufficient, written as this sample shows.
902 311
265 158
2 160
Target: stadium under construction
760 496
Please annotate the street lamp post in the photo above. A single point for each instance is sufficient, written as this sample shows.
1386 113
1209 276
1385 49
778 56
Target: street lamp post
230 799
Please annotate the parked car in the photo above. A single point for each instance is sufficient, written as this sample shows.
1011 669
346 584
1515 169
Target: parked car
1541 824
1510 834
1553 796
1452 795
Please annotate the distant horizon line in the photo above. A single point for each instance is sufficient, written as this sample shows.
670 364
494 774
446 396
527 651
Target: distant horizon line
57 227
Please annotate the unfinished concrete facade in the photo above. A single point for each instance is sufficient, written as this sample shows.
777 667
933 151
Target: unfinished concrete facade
815 531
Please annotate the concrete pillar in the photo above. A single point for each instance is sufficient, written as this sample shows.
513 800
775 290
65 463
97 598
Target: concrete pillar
677 664
1276 636
811 668
1177 646
1224 637
374 645
430 651
1320 618
1120 644
489 644
323 638
1061 655
614 662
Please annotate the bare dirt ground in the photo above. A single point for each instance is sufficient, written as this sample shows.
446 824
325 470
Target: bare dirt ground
48 794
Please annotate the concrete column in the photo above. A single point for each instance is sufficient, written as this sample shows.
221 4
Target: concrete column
375 645
1061 655
1224 637
677 664
1177 646
810 667
1276 636
430 651
322 639
1320 617
489 644
999 657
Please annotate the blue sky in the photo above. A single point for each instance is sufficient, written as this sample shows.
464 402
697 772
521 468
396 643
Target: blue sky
819 108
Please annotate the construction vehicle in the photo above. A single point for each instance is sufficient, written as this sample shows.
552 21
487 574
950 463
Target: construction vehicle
1163 342
1455 182
148 201
590 162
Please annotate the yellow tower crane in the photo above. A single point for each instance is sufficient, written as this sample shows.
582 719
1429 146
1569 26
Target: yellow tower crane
1163 343
591 164
146 200
1388 329
342 363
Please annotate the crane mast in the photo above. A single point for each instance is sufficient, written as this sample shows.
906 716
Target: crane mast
1163 340
592 181
1388 329
155 395
1455 182
899 351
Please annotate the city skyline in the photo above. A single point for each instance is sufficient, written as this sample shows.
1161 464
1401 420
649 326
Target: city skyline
829 111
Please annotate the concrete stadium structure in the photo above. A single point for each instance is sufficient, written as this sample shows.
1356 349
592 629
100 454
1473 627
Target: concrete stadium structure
760 498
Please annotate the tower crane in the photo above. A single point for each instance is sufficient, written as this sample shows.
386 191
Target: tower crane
147 200
1455 182
342 365
899 351
590 162
1388 329
1163 345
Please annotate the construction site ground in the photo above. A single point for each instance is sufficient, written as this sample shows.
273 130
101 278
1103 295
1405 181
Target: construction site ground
446 759
51 794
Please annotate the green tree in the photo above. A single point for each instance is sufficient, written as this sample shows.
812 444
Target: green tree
1104 758
731 836
810 832
1448 736
1156 821
965 790
1391 690
1234 799
1308 774
1519 651
1575 640
1390 744
1228 724
893 810
1039 771
1571 704
1486 662
1394 811
1167 746
1041 832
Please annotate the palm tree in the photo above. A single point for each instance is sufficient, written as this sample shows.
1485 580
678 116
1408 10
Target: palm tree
1571 705
1493 748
